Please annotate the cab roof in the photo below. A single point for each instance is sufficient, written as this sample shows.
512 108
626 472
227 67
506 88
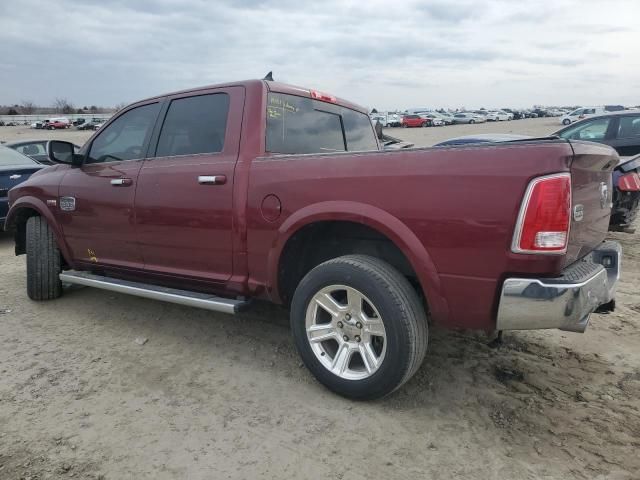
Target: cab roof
271 86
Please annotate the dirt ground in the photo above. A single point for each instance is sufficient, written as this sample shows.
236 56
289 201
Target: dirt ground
211 396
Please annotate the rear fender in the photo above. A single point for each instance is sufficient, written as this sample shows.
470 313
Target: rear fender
377 219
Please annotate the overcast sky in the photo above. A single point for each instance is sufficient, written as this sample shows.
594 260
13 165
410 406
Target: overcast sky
383 54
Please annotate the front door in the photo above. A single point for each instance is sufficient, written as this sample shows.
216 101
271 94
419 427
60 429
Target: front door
184 201
96 200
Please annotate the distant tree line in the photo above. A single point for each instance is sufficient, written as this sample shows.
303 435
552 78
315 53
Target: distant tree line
60 105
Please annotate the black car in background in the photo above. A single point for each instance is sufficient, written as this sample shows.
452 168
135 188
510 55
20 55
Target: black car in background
620 130
15 168
36 149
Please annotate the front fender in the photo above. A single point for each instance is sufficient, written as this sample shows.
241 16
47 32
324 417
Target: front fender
33 203
377 219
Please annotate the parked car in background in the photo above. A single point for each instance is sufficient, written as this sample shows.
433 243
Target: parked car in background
414 121
467 117
375 118
252 190
626 194
92 125
35 149
56 124
37 125
15 168
433 119
394 120
497 116
446 118
620 130
580 113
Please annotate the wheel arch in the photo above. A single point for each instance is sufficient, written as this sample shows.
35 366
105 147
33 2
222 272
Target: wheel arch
16 221
377 220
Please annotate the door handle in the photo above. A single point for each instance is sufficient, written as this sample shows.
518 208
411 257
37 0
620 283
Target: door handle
121 182
212 179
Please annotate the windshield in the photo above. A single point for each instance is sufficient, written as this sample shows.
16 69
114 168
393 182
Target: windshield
9 156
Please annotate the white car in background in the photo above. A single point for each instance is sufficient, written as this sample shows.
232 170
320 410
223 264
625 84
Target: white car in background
498 116
580 113
375 118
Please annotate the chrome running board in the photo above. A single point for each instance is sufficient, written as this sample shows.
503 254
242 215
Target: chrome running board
154 292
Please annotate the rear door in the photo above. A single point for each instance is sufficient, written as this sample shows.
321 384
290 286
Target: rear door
184 198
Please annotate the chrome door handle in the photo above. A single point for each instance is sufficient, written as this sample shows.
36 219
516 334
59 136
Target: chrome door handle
212 179
121 182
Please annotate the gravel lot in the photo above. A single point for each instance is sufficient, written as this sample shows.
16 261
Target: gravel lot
215 396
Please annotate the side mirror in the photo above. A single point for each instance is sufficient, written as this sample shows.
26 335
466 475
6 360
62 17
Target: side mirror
63 152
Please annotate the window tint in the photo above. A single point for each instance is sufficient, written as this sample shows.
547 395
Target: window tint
194 125
125 137
302 125
629 127
591 130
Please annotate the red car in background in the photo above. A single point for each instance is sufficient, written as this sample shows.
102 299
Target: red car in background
414 121
56 125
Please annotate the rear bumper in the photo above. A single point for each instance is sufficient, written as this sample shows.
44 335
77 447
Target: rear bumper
565 302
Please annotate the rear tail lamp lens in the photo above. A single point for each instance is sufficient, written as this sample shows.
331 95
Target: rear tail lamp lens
545 216
629 182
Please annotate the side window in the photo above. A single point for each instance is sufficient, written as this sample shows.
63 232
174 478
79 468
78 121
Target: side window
629 127
194 125
589 130
125 137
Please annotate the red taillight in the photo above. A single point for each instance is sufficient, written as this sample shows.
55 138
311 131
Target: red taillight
629 182
545 216
323 96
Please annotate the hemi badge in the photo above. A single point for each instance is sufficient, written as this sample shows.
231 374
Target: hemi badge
67 204
52 203
15 177
578 212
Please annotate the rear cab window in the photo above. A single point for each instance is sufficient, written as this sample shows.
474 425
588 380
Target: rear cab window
299 125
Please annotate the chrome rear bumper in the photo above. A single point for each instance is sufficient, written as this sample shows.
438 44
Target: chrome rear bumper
565 302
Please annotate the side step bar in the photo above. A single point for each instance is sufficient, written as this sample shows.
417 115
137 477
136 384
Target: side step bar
154 292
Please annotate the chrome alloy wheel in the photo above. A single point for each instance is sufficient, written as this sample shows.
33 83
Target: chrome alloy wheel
346 332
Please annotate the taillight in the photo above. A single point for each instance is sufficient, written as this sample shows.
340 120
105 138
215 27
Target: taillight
323 96
545 216
629 182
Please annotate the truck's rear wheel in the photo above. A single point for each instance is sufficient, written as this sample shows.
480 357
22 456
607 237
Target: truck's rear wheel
359 326
43 261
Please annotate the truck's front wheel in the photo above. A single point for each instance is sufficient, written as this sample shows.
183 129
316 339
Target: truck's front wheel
43 261
359 326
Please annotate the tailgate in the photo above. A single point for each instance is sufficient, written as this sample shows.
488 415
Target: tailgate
591 197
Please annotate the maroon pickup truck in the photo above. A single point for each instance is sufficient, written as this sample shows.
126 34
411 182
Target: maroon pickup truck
214 196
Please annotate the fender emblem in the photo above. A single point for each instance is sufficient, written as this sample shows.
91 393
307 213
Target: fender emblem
68 204
15 177
604 194
578 213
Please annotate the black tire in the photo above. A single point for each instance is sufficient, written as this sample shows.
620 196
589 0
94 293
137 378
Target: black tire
402 314
43 261
566 121
472 121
